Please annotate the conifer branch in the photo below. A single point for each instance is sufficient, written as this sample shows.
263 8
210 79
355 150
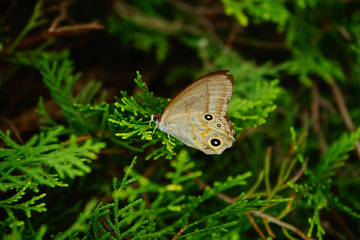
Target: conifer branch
257 213
34 21
339 97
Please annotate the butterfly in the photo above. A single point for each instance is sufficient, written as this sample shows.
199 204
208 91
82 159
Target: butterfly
198 116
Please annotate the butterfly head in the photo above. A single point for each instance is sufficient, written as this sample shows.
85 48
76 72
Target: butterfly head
160 124
156 118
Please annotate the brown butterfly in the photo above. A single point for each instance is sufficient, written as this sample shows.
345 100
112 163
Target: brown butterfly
198 115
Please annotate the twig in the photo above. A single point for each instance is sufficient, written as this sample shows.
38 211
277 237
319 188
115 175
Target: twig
247 132
13 127
206 23
268 229
344 32
251 219
267 171
102 219
112 151
339 98
92 25
33 22
203 20
280 223
174 27
259 43
230 39
187 8
292 150
83 138
229 200
79 139
201 183
134 15
145 196
326 104
343 224
315 114
62 16
8 11
299 174
340 101
147 174
59 32
179 233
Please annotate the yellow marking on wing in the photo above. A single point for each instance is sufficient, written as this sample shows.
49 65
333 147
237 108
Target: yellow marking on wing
192 130
205 126
186 106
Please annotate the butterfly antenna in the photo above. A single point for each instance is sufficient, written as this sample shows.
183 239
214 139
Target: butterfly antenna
150 97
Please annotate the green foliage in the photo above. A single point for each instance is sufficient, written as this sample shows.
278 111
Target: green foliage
137 221
143 39
33 58
317 189
59 80
131 127
312 62
28 166
255 110
303 33
34 21
253 94
267 10
46 120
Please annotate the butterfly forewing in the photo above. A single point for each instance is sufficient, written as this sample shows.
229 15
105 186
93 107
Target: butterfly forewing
210 93
210 136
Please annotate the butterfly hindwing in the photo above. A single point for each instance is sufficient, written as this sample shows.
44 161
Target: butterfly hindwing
210 133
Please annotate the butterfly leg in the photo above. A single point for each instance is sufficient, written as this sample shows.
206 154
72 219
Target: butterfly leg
169 138
148 126
170 142
154 130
